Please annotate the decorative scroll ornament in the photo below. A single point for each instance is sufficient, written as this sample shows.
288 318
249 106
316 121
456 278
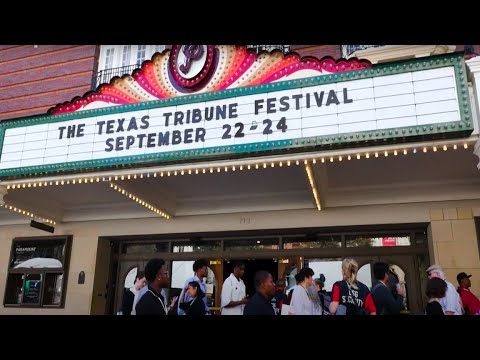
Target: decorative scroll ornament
196 69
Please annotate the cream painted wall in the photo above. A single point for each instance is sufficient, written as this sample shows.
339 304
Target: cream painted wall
455 243
453 227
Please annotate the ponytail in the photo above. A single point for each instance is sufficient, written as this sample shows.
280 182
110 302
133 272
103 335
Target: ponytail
350 270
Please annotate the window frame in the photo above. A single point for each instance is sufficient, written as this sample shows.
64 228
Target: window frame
43 271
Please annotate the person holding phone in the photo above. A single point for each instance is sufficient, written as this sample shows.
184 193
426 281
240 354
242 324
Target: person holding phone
195 306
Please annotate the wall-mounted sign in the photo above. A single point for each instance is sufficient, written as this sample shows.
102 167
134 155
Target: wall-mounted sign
392 102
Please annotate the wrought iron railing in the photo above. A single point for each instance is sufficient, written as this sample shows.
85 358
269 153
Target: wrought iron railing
348 50
258 48
105 75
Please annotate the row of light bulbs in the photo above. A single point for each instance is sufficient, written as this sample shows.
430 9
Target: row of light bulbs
213 169
27 213
311 180
140 201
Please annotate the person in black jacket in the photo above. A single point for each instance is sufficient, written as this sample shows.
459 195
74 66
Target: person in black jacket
260 303
196 306
153 302
382 295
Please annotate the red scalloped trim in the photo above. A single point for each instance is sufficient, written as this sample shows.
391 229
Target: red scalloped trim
145 77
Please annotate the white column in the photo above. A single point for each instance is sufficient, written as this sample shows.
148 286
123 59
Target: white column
3 192
473 70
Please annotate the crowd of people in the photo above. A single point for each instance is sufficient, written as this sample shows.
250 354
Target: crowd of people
349 296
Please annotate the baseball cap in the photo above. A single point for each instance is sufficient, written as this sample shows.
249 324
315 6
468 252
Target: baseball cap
461 276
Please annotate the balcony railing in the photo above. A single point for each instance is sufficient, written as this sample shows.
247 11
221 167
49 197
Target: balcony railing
348 50
258 48
104 76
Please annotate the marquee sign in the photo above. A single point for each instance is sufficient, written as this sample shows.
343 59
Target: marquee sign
394 102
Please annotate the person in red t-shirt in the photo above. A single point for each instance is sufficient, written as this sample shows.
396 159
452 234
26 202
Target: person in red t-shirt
471 304
350 296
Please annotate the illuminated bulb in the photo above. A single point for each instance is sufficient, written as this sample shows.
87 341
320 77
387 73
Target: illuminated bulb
280 164
123 192
444 147
323 160
248 167
211 171
349 157
395 153
161 174
434 149
73 181
367 155
424 149
314 161
123 177
154 174
189 172
331 159
358 156
23 185
30 185
272 164
218 169
175 173
414 151
13 187
182 172
196 171
256 166
98 179
297 162
376 154
91 180
386 153
80 181
34 184
305 162
339 158
168 173
404 151
465 146
204 170
264 165
141 176
288 163
129 196
455 147
128 177
135 176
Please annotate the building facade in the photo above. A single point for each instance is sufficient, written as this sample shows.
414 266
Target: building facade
256 153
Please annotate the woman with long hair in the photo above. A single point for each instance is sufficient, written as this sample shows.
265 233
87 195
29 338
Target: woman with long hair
196 306
350 296
302 302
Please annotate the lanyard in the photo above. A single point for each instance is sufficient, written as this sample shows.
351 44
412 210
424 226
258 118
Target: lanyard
158 297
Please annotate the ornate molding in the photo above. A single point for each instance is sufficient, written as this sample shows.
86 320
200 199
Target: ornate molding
400 52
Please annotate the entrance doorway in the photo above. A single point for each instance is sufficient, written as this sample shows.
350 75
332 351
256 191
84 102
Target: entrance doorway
251 267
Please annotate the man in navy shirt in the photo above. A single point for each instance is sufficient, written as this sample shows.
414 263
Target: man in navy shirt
260 303
153 302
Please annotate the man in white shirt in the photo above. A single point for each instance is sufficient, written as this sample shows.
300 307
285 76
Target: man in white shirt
451 302
234 292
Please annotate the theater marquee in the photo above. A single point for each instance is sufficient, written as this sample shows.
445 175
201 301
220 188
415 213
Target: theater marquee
395 102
